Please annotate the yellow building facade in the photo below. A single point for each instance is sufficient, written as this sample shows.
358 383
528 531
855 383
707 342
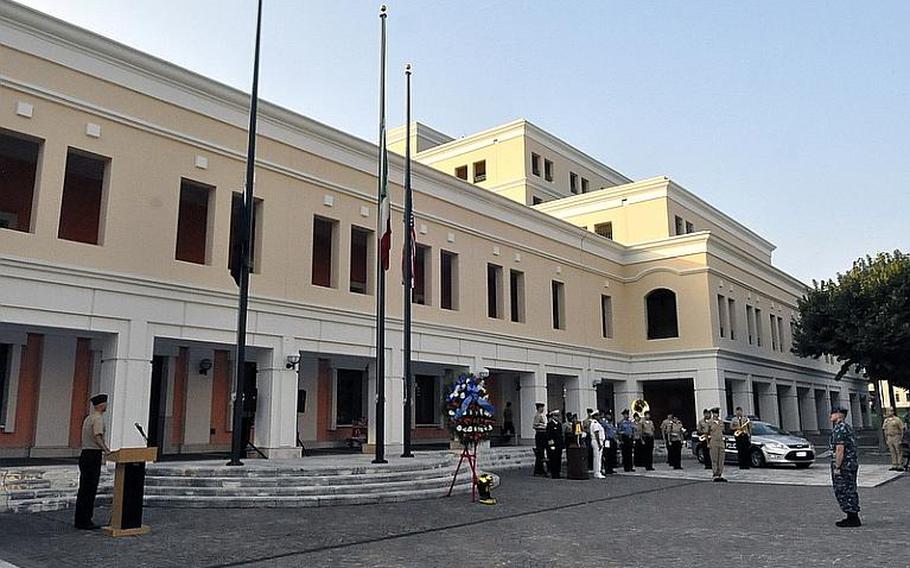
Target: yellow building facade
572 284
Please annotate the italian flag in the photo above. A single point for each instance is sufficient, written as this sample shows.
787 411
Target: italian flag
385 221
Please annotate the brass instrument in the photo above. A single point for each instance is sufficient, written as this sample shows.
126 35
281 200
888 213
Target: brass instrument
741 429
639 407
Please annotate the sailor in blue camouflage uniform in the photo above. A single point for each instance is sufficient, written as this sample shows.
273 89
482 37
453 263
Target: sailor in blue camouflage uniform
626 430
844 466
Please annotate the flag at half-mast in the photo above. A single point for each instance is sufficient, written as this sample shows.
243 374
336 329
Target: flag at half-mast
385 220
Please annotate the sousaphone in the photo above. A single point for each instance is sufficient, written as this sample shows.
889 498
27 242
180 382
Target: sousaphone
639 407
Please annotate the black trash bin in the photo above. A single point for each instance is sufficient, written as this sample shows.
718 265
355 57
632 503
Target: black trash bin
577 462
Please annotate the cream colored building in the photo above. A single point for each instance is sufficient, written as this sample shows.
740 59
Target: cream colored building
119 174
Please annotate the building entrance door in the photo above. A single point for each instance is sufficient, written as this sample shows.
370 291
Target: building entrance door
157 403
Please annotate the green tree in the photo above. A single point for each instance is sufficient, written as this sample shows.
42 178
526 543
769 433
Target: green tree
862 318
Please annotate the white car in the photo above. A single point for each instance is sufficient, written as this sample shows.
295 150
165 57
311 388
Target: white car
770 446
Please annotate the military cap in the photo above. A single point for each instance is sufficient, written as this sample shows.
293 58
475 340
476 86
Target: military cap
840 410
99 399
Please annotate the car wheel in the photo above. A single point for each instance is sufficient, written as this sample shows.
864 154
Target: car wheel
758 458
803 465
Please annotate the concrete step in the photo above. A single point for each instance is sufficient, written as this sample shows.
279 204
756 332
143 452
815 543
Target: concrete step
51 503
301 470
305 490
49 493
290 481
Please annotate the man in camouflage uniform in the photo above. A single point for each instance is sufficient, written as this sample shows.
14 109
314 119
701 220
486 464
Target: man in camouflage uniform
844 467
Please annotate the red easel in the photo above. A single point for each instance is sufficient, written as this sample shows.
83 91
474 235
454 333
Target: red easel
472 462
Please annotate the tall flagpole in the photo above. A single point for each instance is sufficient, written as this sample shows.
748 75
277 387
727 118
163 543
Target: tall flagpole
246 230
408 265
382 257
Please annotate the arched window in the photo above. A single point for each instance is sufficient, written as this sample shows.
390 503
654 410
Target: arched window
661 307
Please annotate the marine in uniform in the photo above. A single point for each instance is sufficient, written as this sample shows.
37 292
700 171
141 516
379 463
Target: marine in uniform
673 436
597 443
893 429
555 444
702 430
626 431
589 444
93 450
742 433
844 467
716 444
540 440
647 441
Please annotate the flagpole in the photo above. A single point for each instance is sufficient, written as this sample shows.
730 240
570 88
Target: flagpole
382 258
246 230
408 265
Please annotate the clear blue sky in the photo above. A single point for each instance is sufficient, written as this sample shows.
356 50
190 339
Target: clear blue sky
793 117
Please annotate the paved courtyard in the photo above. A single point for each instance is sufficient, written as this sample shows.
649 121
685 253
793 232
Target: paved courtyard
626 520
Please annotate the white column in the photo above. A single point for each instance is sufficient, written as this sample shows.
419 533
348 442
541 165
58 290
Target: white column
394 400
856 417
709 390
789 403
624 393
126 375
808 413
276 413
533 390
580 395
768 401
822 409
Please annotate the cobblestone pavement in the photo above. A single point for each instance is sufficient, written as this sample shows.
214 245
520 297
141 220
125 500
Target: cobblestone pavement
626 520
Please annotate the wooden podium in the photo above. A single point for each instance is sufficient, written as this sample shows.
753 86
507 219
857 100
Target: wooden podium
129 487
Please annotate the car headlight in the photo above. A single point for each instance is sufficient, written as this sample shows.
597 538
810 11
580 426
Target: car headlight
776 446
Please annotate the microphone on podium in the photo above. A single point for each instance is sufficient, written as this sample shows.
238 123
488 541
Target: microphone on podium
141 432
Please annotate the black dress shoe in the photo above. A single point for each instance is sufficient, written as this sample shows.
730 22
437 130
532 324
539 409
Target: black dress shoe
91 527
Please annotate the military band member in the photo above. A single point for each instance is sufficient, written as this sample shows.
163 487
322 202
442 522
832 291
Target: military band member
540 439
893 429
716 444
673 436
638 445
742 433
647 441
626 429
598 442
555 444
702 430
611 444
589 444
844 467
94 448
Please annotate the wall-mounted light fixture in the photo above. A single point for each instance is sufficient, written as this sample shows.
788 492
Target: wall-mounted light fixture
292 361
483 373
204 366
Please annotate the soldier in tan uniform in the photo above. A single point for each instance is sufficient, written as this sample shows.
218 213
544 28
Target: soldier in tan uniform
94 448
647 442
742 432
673 436
893 428
716 444
702 430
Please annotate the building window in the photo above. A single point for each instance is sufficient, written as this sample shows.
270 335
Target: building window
323 252
773 333
18 172
421 292
494 291
661 314
604 229
573 182
690 228
548 170
448 289
722 315
517 295
680 225
193 222
731 312
584 185
235 251
83 191
758 327
780 333
536 200
349 397
558 290
535 165
5 354
750 323
606 316
480 171
361 243
426 400
461 172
